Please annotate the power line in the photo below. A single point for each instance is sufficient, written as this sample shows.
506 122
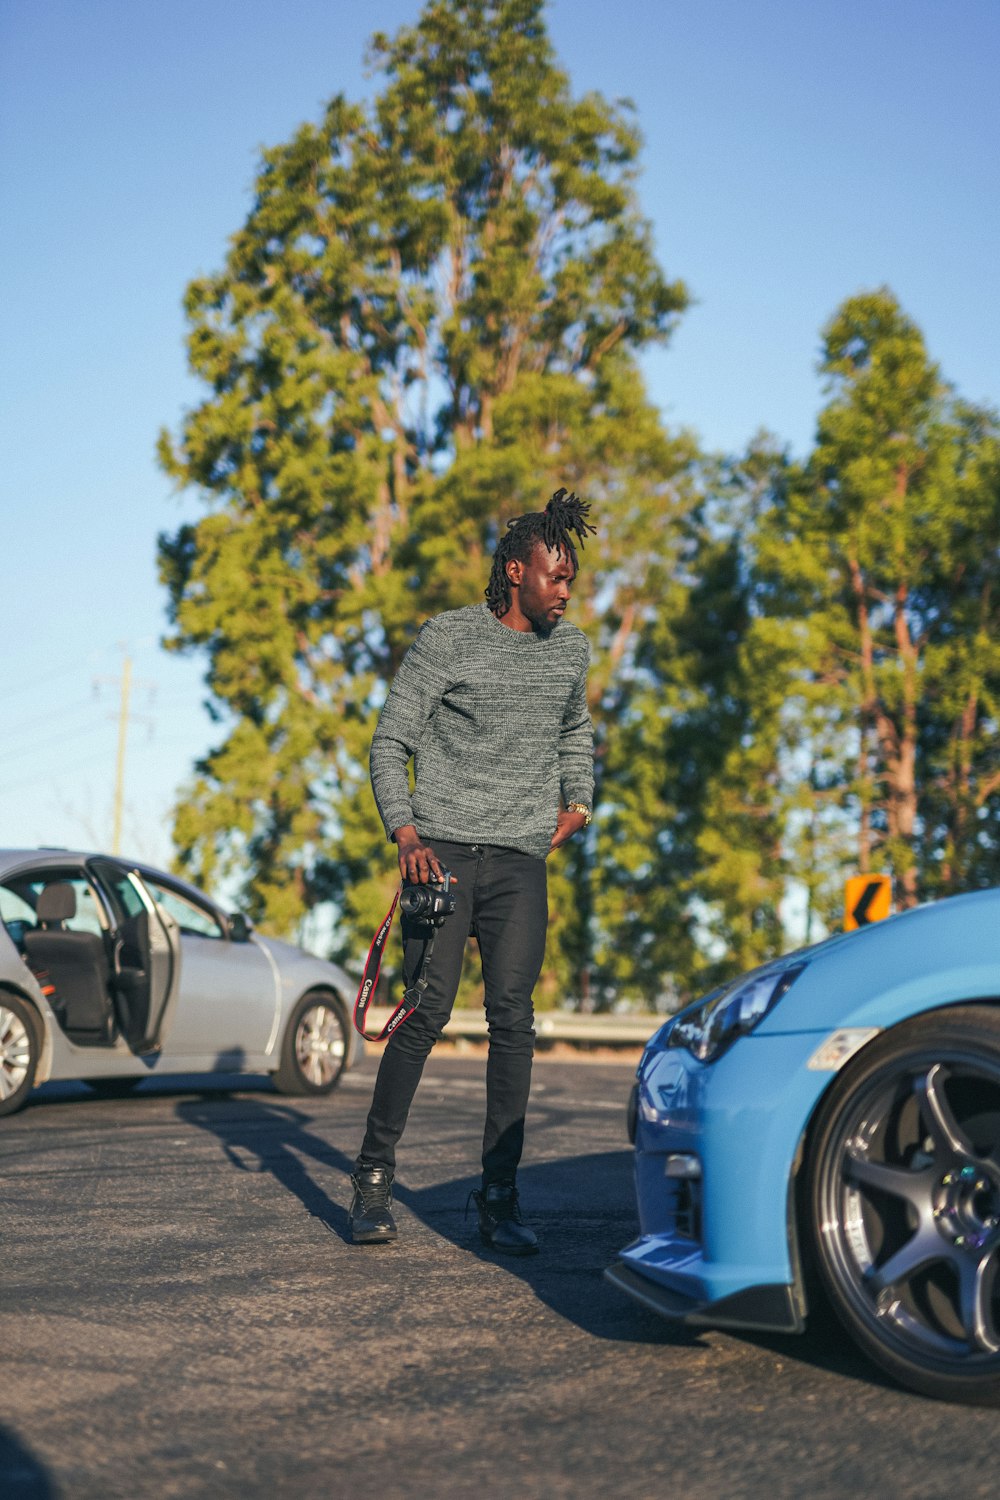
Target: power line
36 747
35 682
79 765
52 713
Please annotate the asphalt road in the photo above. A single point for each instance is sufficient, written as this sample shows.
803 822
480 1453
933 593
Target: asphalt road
181 1315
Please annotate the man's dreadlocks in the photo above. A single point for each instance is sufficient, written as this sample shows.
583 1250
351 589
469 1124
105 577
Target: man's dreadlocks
564 516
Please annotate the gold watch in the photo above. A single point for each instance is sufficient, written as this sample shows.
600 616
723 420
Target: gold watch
580 807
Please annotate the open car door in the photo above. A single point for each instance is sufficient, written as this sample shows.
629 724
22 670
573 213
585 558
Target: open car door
147 956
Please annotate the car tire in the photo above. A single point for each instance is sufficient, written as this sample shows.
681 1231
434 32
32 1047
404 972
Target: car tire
904 1203
113 1088
315 1046
20 1049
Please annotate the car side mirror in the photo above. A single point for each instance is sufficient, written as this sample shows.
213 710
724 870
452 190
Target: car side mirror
240 927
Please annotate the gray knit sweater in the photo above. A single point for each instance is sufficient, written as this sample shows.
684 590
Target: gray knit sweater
497 722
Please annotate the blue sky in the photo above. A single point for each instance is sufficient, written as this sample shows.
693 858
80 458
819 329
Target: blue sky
796 151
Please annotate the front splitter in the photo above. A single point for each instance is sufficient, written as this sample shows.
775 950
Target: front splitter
765 1309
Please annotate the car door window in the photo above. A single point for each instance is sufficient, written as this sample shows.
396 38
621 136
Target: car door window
14 908
191 917
122 891
16 914
89 913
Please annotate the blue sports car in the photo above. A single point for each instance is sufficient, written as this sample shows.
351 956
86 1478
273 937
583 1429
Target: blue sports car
829 1126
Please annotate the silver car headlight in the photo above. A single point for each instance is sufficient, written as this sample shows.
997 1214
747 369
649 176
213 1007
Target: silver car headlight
708 1028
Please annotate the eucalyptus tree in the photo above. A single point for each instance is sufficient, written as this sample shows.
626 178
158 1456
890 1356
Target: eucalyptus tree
878 574
429 321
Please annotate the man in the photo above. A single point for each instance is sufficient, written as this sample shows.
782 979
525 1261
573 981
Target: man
491 703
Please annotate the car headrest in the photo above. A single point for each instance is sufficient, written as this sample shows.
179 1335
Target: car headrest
56 903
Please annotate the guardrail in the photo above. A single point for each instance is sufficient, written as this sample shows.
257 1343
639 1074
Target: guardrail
551 1026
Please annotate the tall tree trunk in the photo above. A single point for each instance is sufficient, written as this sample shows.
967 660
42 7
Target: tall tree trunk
904 792
867 709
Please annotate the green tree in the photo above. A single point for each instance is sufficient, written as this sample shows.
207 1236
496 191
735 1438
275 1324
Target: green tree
818 691
877 573
959 750
694 873
881 471
429 321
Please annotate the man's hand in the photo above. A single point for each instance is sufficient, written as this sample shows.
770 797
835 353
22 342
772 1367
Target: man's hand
567 824
417 861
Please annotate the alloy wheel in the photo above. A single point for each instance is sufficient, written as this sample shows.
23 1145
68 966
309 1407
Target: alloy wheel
15 1052
908 1201
320 1044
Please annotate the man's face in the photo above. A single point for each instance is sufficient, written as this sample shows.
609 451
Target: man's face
544 585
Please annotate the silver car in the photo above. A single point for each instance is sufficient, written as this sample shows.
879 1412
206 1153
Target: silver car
113 972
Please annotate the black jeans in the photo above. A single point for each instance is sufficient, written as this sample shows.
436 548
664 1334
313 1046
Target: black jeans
501 899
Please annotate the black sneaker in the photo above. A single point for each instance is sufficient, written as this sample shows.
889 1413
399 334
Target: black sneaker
500 1223
371 1207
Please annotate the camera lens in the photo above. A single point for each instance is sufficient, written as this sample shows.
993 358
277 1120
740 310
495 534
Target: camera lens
415 900
428 903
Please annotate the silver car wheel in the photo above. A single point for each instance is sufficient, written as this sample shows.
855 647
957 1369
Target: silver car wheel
20 1048
906 1203
15 1053
320 1044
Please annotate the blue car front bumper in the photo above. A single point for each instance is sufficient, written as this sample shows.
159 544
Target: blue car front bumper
715 1159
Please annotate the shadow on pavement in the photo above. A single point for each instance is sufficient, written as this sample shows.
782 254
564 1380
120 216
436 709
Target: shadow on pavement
261 1135
825 1346
22 1476
65 1091
581 1207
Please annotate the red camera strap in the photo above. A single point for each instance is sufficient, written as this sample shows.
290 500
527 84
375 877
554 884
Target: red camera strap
373 963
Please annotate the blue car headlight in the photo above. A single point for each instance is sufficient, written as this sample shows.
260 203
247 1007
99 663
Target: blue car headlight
707 1028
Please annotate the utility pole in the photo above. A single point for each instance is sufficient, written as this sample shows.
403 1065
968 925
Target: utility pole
125 683
116 834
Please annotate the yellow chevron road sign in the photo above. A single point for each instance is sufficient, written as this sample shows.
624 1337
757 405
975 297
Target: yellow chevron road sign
867 898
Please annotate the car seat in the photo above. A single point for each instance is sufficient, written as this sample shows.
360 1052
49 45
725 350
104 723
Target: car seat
76 963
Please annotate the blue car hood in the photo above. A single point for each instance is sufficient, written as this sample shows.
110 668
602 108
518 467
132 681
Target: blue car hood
939 954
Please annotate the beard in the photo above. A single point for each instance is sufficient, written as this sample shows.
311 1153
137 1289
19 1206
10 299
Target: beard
540 622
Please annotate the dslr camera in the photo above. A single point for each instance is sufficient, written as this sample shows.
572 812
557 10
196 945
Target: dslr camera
431 904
